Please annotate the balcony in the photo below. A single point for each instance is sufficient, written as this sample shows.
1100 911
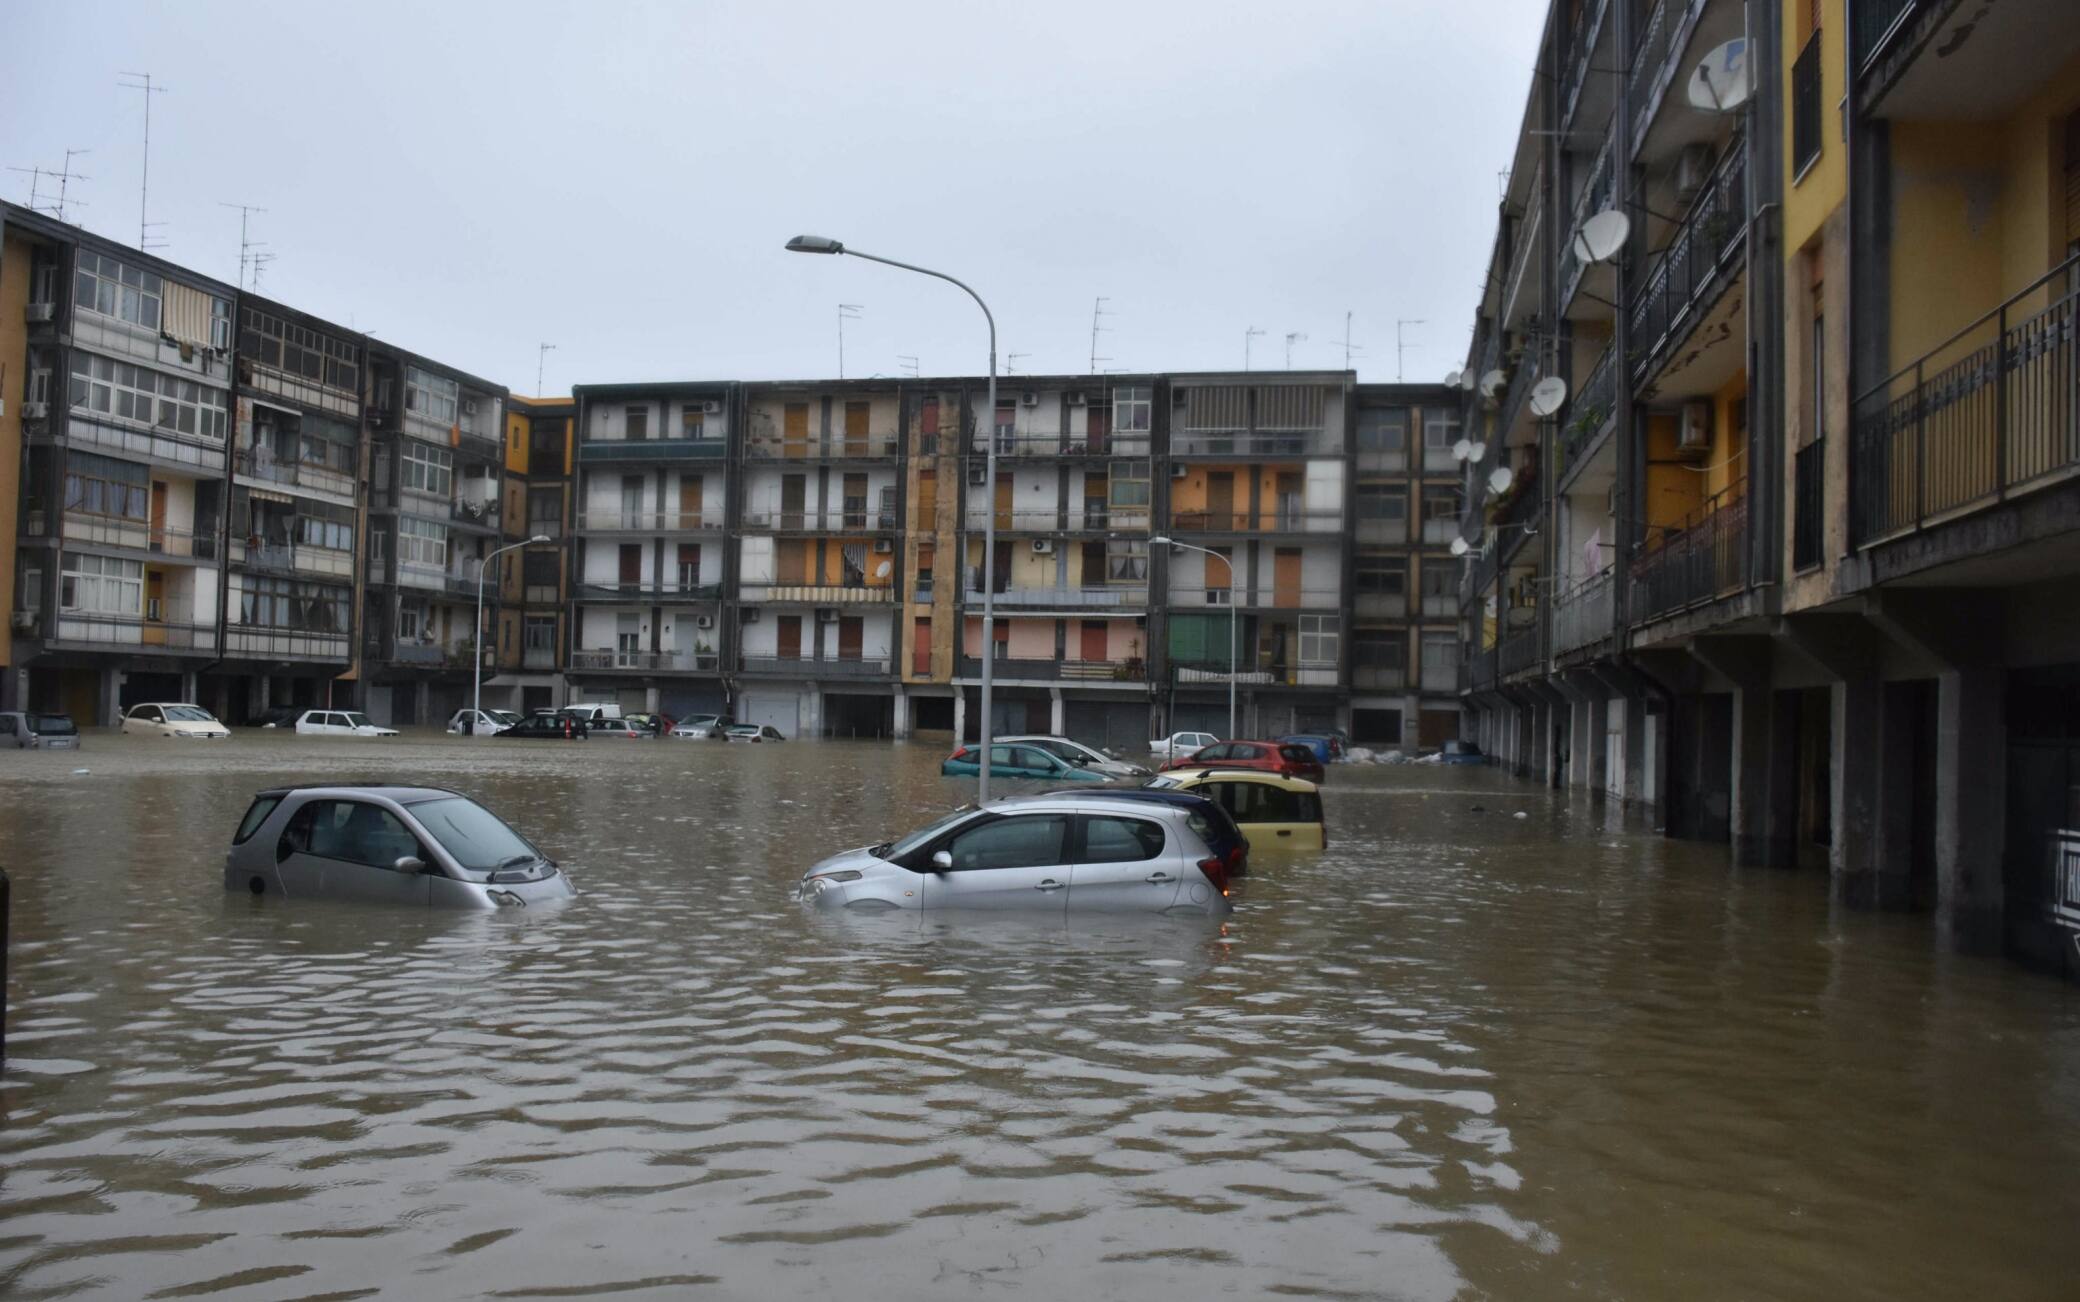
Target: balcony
805 667
1710 238
175 632
1265 597
254 642
1582 614
1702 560
646 662
1291 673
865 447
848 520
815 594
1064 670
261 463
1284 520
1590 414
617 521
1517 652
1108 596
465 581
477 510
538 658
292 558
649 592
1379 678
1599 193
1039 446
141 536
1581 45
1088 519
1808 497
1987 413
622 450
441 656
1275 444
1876 23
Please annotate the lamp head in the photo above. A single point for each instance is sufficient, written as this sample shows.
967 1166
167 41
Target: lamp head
814 244
540 538
1159 541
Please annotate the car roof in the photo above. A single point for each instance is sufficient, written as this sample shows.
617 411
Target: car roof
403 795
1064 797
165 704
1258 776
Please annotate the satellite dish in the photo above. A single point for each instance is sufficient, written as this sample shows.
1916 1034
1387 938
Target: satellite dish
881 570
1460 547
1461 450
1466 379
1451 381
1547 395
1478 452
1500 478
1602 237
1724 79
1492 381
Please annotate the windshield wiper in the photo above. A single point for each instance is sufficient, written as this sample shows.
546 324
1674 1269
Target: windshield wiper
880 851
514 861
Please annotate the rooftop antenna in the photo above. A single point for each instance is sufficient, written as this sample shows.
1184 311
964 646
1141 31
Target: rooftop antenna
846 312
143 82
1098 312
245 246
1011 362
1401 345
1249 337
908 362
260 261
35 175
1293 337
541 360
1348 346
67 175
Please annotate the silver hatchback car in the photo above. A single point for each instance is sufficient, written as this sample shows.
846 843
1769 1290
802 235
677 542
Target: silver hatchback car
387 845
1046 853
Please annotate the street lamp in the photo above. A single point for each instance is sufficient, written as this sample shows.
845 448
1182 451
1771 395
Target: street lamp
1207 551
477 699
823 244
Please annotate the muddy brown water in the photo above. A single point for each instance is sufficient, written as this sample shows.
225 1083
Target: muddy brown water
1460 1054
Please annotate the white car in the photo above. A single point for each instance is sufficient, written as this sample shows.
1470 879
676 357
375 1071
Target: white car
1084 757
1181 745
339 723
489 723
702 727
173 719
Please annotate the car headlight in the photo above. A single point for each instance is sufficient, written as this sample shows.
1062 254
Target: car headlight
842 875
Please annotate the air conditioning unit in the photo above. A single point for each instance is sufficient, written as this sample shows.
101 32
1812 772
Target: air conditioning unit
712 407
469 406
38 313
1028 399
1693 165
1694 436
748 615
24 621
884 545
1043 546
704 621
826 614
35 410
978 475
1076 398
1180 472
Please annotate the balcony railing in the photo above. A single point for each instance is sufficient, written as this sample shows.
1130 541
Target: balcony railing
1582 614
176 630
1992 409
649 591
538 657
1808 496
476 509
1065 670
289 557
463 582
1714 229
617 521
1805 106
1655 44
1876 22
1290 673
1517 652
652 450
1107 596
838 521
436 655
809 594
261 463
1591 410
1290 520
1574 67
807 667
1599 193
1060 445
140 535
1264 597
256 642
1480 669
670 662
1260 443
1379 678
837 448
1702 561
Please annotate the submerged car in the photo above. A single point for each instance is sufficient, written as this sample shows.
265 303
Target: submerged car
752 732
550 725
1461 752
1017 760
1283 758
627 729
1180 745
481 723
339 723
1082 756
173 719
1327 746
1169 852
421 846
657 725
1281 812
32 730
702 727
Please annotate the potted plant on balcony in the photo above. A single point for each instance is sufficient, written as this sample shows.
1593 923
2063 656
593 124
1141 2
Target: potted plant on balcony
1131 670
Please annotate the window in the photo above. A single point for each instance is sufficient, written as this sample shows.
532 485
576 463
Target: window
1440 502
538 633
1382 429
689 566
635 423
692 423
1126 562
219 324
1320 639
412 625
544 510
167 402
1127 494
297 350
1131 405
101 585
1440 577
1805 91
1120 840
1440 660
111 288
422 542
1383 502
320 524
538 569
256 814
1819 430
99 485
428 469
432 397
1261 802
1440 430
378 547
1026 841
1379 648
266 601
350 831
1381 575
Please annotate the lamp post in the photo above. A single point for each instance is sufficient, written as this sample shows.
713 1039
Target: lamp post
1229 562
476 704
823 244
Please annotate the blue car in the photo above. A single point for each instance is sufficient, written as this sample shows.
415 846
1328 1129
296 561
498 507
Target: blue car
1016 761
1324 746
1461 752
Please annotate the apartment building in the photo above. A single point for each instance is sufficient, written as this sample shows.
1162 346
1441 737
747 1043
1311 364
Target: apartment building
1789 561
534 615
436 499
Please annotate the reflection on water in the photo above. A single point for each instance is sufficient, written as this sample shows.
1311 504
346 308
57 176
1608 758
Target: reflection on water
1459 1054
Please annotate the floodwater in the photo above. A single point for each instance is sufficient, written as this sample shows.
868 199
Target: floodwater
1461 1054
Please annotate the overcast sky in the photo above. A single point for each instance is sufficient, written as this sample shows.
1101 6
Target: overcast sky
470 180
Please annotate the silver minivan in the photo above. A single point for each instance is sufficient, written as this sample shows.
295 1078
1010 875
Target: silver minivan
420 846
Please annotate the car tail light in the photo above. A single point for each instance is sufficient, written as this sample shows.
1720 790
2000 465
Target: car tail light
1216 870
959 752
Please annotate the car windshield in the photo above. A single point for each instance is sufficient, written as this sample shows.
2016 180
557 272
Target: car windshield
51 725
474 835
704 720
505 716
189 714
897 849
357 721
1162 782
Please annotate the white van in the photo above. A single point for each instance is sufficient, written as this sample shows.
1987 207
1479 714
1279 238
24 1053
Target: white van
593 711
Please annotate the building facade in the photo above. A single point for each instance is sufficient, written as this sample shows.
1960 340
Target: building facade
533 620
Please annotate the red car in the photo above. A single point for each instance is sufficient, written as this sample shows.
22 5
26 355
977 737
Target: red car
1287 759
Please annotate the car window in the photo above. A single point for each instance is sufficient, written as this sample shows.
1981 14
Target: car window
257 814
1242 800
1031 757
7 724
189 714
357 833
1215 752
922 835
1120 840
1298 754
355 720
149 713
477 838
1021 841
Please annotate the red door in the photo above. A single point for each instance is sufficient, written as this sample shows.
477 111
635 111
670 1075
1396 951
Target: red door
921 648
789 637
1094 640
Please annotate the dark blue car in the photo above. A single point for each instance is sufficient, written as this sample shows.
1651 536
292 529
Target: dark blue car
1461 752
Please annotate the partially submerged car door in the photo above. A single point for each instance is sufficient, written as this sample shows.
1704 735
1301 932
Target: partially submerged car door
1124 864
347 850
1016 862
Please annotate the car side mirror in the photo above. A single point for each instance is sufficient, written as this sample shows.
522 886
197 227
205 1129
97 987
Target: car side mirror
942 860
409 864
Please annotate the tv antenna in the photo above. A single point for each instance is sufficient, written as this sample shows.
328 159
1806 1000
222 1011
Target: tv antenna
1401 344
245 245
143 82
846 312
1249 337
36 177
541 360
1098 312
908 364
1011 362
1293 337
1348 346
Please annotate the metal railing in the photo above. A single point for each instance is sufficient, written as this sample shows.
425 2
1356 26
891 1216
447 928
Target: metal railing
1876 21
1063 670
176 630
262 642
1263 597
1574 67
1269 520
436 655
1655 34
139 535
1517 652
652 450
1599 193
1591 410
1698 562
536 657
1716 226
1048 519
811 594
836 448
808 667
1379 678
1808 497
289 556
618 521
262 463
649 591
1480 668
1289 673
1805 106
1037 446
1582 614
829 521
1993 408
682 662
1089 597
1259 443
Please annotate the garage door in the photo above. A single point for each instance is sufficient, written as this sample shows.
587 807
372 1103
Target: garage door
682 701
782 710
1376 727
1190 717
1121 725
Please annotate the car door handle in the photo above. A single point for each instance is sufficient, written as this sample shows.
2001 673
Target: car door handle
1158 877
1049 885
1285 831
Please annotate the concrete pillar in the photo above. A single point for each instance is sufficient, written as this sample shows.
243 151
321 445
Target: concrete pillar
1055 723
811 711
1580 744
1596 773
652 699
1748 789
902 713
1892 848
188 686
109 707
960 715
1637 781
422 703
1971 806
1856 744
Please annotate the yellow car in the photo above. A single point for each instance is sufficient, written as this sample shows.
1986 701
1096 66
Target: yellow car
1272 811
